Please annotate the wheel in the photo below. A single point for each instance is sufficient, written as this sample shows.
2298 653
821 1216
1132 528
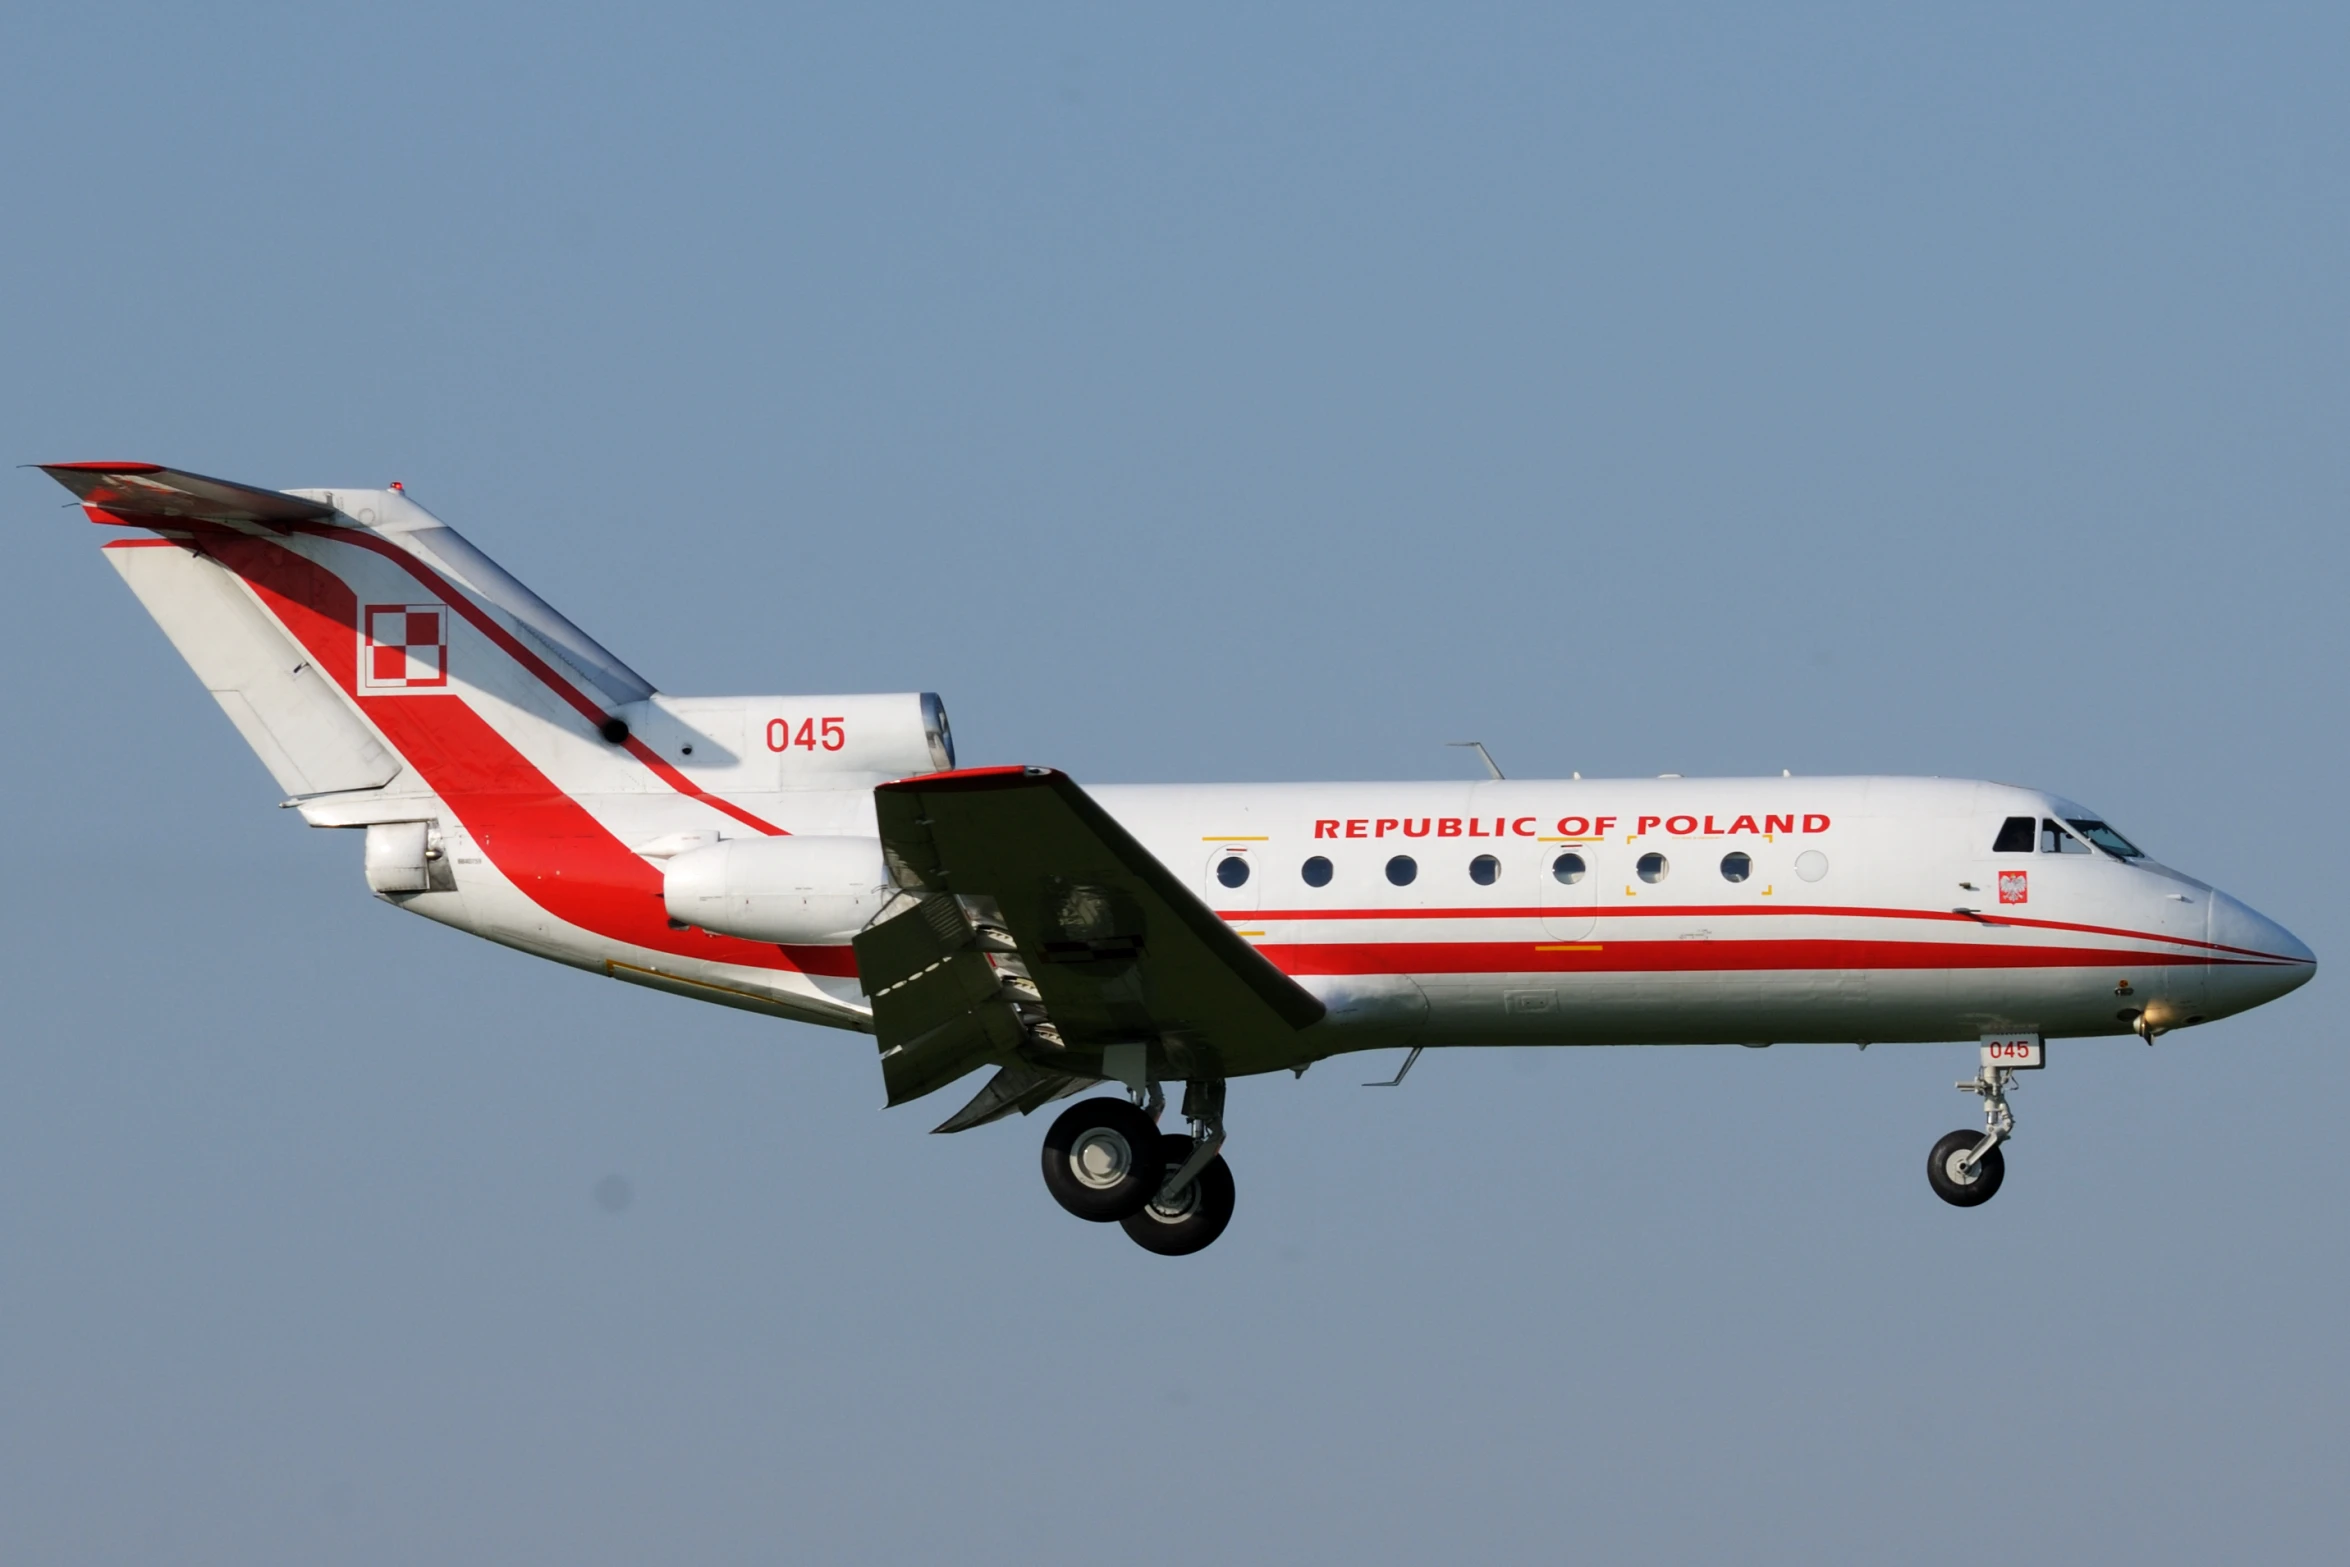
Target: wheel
1195 1216
1962 1188
1095 1163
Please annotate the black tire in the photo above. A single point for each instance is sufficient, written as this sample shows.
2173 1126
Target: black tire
1950 1186
1100 1160
1197 1215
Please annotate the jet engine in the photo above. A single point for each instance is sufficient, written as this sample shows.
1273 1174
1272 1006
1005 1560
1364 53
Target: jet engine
798 891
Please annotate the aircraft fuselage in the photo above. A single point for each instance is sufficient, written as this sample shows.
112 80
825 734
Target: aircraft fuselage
1686 911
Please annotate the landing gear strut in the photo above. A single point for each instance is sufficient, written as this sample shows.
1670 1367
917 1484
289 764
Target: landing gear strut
1965 1168
1195 1202
1106 1160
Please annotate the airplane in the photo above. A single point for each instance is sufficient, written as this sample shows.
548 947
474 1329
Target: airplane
822 858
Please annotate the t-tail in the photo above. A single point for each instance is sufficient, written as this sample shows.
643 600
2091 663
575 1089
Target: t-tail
391 676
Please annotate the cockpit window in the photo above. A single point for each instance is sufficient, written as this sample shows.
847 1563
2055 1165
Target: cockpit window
2106 838
2015 836
2055 840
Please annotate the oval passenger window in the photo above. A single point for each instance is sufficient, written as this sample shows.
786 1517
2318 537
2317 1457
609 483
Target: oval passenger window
1811 865
1232 870
1316 871
1484 870
1567 868
1653 868
1402 869
1736 867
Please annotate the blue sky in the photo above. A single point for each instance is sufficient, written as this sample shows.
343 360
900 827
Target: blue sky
1247 393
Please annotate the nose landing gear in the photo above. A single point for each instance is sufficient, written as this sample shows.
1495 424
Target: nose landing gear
1965 1168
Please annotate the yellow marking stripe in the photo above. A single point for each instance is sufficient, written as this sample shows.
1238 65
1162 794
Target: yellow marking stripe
613 967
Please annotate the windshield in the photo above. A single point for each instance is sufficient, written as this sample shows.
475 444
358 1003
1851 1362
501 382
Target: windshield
2106 838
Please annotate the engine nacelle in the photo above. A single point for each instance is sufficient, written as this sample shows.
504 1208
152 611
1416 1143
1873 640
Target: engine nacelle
754 744
801 891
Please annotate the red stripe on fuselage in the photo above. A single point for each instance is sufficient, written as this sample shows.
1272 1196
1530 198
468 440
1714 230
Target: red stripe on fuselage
1745 911
1689 957
545 842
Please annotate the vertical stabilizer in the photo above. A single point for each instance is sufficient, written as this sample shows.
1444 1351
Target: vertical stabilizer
301 727
356 641
391 515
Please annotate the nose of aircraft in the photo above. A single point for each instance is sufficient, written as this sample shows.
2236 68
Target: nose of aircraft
2235 925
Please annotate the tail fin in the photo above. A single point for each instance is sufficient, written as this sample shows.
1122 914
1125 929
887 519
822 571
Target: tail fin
334 627
390 514
302 729
389 673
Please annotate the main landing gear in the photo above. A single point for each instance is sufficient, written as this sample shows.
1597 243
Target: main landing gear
1965 1168
1106 1160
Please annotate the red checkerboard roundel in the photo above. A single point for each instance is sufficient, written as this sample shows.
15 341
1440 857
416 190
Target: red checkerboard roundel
404 647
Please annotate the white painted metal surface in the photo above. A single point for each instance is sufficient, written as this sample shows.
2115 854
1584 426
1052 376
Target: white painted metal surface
390 674
801 890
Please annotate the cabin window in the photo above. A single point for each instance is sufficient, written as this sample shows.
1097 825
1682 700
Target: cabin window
1232 870
2055 840
1736 867
1567 868
2106 838
2015 836
1402 869
1653 868
1484 870
1316 871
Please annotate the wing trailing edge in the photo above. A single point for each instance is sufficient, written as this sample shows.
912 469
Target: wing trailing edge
1041 932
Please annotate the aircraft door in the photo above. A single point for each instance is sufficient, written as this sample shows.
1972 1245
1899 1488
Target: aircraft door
1568 878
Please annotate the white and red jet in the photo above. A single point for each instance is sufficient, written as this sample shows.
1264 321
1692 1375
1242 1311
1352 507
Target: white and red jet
821 858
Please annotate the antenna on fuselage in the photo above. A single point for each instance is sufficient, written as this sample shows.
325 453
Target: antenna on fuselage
1478 746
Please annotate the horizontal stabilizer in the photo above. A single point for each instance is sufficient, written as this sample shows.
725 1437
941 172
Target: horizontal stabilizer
146 494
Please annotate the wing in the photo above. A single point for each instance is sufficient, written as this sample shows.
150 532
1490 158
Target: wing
1043 933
